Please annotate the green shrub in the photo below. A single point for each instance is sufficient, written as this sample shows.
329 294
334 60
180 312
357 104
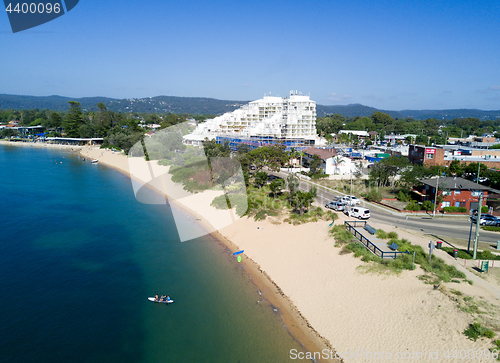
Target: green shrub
413 205
341 234
381 234
402 196
484 209
455 209
460 253
491 228
475 331
480 255
374 195
392 235
427 205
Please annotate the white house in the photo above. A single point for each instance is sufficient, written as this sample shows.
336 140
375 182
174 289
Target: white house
331 162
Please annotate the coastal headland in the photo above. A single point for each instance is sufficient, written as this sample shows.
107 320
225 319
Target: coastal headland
332 301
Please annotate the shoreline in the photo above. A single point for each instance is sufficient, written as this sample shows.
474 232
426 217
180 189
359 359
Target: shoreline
293 320
74 148
326 298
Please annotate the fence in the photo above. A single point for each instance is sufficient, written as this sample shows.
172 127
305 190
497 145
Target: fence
351 227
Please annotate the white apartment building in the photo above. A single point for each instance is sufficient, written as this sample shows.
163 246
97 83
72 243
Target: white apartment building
288 118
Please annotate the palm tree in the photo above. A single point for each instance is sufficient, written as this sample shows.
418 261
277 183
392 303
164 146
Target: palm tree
337 160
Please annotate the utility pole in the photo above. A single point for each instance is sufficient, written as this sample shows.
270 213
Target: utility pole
435 196
478 224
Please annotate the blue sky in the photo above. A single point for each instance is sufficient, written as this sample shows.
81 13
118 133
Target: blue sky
390 55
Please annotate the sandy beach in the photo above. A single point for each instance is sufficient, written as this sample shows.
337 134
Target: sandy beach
42 145
332 300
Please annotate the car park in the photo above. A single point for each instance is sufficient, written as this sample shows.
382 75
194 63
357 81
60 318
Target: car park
358 212
335 205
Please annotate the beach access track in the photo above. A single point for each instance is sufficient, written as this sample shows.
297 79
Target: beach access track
375 245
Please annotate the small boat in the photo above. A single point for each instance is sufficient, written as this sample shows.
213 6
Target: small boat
162 301
95 161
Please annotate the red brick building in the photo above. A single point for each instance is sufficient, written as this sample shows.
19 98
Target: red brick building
426 155
456 192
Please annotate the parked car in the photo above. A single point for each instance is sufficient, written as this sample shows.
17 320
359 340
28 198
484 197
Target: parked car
486 220
335 205
357 212
351 200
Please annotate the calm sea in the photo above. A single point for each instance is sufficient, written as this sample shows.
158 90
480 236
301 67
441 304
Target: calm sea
79 256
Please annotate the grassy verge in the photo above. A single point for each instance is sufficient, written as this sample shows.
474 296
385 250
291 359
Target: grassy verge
263 203
481 255
436 269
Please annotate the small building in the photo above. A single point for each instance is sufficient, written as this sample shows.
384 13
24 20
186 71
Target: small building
358 133
456 192
326 156
426 155
331 162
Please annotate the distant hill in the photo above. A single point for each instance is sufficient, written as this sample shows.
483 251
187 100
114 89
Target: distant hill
165 104
352 110
56 103
211 106
159 104
451 114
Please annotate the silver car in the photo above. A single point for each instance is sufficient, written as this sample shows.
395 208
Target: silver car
351 200
336 205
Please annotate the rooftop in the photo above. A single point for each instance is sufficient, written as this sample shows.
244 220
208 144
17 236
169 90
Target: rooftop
322 153
454 183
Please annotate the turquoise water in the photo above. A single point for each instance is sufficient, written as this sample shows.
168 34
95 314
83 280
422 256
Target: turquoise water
79 257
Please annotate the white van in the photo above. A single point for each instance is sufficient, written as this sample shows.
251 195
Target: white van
357 212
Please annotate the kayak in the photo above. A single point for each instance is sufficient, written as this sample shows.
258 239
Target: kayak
163 302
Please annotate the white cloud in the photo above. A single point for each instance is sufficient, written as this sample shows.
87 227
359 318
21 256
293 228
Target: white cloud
335 97
492 88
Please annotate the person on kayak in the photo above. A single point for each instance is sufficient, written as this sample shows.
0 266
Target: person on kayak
163 297
168 298
156 297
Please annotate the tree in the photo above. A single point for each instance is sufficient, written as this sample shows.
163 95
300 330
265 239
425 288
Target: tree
293 185
381 119
471 170
315 164
260 178
330 124
336 161
276 186
273 157
410 176
301 201
73 120
384 172
456 168
55 120
8 132
101 106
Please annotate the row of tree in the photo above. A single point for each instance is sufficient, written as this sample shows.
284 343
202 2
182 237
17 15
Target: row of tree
119 130
429 130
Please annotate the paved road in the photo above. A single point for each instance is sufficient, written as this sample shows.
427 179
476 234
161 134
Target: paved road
454 230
